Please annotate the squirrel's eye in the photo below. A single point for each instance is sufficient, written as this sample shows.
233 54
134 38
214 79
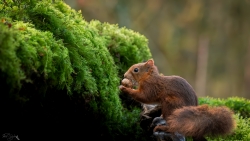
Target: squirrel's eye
136 70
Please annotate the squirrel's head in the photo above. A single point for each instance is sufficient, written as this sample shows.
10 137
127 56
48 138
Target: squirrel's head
139 71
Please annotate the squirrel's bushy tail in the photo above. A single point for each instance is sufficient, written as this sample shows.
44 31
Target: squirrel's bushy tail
201 120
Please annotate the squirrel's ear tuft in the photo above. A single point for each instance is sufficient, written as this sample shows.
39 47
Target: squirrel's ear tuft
150 62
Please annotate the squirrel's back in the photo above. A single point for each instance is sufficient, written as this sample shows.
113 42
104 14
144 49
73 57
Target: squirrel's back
179 87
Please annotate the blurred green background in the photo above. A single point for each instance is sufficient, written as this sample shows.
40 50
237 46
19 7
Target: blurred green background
205 42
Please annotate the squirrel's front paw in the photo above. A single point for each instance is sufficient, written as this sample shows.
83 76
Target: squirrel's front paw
122 88
127 83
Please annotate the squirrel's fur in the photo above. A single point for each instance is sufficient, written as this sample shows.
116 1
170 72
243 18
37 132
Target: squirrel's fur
179 103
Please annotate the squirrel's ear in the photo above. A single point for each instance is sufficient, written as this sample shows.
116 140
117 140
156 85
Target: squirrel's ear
150 62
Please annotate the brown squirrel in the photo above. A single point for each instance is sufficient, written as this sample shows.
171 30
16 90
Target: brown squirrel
178 101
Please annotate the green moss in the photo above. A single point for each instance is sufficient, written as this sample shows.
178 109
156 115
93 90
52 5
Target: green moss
126 46
9 62
48 48
35 54
237 104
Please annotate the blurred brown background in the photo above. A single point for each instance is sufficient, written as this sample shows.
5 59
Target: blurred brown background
205 42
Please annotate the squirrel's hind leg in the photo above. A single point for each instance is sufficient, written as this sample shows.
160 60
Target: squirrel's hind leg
163 128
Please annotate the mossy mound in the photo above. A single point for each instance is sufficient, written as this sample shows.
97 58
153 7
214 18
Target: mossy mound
124 47
56 69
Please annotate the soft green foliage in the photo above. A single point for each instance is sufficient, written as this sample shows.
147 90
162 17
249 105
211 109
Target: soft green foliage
130 126
237 104
93 66
242 130
49 47
126 46
34 54
41 54
9 62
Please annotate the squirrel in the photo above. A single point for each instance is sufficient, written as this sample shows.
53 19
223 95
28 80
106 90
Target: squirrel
179 103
